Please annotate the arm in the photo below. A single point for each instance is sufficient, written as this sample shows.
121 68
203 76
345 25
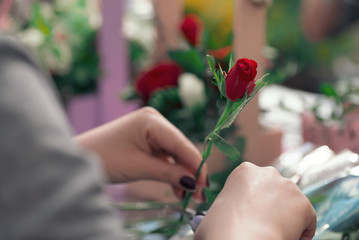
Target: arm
49 188
257 203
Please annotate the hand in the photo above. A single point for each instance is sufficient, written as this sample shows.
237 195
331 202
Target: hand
144 145
257 203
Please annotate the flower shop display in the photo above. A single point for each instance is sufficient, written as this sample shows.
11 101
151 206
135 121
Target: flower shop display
334 117
62 34
297 62
237 88
190 58
330 181
181 87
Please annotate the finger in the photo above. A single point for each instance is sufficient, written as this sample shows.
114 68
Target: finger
174 174
309 232
179 193
200 195
162 135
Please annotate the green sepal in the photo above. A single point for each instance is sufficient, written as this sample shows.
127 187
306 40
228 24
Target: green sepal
222 77
231 63
222 87
241 103
229 150
211 66
259 84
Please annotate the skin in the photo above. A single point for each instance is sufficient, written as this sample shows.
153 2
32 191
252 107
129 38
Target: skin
143 145
255 203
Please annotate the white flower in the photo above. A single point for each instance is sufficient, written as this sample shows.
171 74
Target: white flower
32 37
191 90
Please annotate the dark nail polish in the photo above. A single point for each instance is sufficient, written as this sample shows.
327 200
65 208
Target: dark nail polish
188 183
204 197
201 212
207 181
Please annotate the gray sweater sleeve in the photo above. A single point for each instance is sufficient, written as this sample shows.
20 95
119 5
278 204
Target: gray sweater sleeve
49 188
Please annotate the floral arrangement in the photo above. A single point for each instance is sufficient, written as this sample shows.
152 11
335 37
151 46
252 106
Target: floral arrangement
192 90
334 103
181 87
294 59
236 88
343 99
62 34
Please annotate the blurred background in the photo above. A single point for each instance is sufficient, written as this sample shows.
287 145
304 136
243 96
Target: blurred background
108 58
91 47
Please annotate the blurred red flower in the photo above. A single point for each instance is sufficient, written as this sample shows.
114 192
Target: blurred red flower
160 76
221 53
192 28
240 79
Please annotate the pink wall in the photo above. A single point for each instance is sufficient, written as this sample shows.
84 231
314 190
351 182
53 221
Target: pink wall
86 112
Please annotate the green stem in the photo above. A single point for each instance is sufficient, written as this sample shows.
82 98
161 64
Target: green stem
206 152
225 114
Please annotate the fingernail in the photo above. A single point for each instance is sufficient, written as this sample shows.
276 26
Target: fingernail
188 183
204 197
201 212
196 222
207 181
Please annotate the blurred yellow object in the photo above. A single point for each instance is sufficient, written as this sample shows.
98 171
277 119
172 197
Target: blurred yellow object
217 16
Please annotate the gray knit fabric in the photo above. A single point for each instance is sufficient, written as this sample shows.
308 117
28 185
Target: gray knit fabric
49 188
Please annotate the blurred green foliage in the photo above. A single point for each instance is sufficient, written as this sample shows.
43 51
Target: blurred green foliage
296 53
65 42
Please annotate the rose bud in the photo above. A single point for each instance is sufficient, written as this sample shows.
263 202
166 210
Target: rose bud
240 79
192 29
159 77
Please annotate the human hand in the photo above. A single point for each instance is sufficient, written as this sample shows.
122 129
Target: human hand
144 145
257 203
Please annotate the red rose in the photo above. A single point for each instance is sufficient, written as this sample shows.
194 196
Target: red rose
161 76
192 29
241 79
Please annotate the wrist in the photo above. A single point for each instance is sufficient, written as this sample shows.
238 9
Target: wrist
242 231
235 224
